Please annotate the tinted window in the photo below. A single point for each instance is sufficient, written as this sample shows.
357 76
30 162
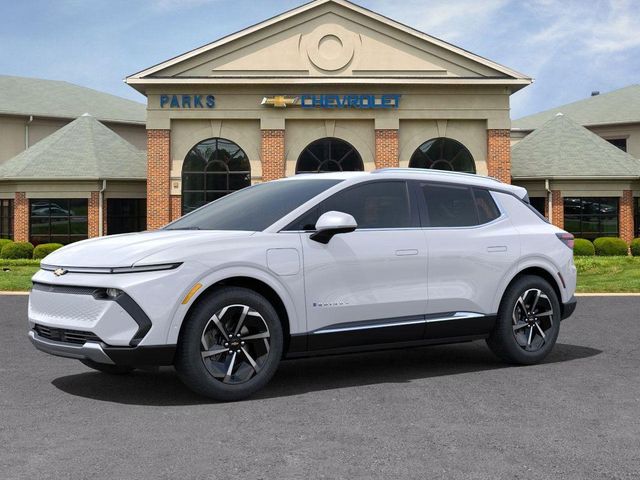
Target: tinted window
487 209
450 206
591 217
58 220
126 215
373 205
253 208
6 219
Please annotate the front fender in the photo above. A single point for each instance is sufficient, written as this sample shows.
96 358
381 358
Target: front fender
297 322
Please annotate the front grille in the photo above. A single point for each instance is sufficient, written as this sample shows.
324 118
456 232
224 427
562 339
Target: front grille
63 335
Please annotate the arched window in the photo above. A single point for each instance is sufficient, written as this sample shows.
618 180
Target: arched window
443 154
329 155
213 169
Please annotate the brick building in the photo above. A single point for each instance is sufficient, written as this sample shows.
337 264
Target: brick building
326 86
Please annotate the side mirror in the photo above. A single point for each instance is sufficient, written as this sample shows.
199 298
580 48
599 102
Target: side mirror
333 223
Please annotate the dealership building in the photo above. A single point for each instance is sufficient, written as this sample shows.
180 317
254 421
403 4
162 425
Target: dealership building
327 86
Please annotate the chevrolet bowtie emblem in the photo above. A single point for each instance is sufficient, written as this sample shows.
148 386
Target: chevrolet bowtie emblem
58 272
280 101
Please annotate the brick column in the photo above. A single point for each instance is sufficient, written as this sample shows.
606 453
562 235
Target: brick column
557 208
176 207
21 217
94 215
387 148
626 216
158 178
499 154
272 155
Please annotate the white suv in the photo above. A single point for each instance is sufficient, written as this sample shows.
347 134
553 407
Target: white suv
309 265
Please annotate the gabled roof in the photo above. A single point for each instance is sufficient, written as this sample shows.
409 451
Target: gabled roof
167 72
618 106
562 148
58 99
82 150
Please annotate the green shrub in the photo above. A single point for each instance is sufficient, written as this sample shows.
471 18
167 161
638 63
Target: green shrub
635 247
17 250
610 246
45 249
583 248
3 242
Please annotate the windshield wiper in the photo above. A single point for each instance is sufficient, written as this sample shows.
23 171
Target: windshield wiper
184 228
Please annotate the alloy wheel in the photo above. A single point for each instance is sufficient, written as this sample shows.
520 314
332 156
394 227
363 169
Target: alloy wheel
532 319
235 344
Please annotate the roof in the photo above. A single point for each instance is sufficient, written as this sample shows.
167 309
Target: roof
414 174
618 106
58 99
502 74
82 150
562 148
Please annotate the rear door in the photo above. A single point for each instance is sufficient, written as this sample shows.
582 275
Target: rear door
471 247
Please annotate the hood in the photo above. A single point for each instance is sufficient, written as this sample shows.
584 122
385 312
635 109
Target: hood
129 249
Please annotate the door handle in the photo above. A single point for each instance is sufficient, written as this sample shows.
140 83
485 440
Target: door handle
403 253
497 249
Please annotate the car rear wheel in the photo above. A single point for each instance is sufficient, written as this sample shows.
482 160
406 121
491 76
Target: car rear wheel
230 345
528 322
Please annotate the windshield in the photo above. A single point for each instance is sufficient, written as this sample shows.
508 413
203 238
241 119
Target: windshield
253 208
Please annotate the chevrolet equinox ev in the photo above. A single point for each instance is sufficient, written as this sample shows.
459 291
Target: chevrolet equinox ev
310 265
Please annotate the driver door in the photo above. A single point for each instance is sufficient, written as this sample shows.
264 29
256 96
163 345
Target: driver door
368 286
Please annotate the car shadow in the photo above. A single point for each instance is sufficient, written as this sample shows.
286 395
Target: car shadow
163 388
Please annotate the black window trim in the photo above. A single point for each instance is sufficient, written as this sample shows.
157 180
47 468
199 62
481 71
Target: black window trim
10 218
425 214
414 213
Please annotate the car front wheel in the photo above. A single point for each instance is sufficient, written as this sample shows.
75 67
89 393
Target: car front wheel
230 345
528 322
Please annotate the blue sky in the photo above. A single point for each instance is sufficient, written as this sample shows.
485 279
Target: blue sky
570 47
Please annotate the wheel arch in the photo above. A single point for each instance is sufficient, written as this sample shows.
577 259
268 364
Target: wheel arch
258 281
537 271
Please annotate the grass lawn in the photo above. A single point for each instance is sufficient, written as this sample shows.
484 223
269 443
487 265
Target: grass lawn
595 274
608 274
16 274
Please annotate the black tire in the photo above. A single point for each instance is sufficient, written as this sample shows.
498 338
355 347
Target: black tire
110 369
516 339
202 375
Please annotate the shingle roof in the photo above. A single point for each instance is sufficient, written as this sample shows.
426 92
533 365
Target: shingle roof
53 98
562 148
82 149
619 106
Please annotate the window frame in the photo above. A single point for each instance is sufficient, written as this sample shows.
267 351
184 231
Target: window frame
9 218
414 214
636 217
324 142
580 216
424 212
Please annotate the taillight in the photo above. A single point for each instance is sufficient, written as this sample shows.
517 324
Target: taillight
566 238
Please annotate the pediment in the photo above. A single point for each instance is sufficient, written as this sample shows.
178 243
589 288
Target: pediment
329 38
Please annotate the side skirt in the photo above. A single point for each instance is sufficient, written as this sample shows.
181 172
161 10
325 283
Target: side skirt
449 327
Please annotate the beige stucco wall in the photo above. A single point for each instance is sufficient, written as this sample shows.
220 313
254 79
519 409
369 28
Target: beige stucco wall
629 131
581 188
13 134
73 189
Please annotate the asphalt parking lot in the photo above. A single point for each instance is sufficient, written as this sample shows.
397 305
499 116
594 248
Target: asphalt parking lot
438 412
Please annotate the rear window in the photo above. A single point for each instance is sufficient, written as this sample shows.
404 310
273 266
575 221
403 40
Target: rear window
458 206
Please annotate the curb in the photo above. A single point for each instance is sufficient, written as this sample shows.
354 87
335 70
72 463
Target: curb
10 293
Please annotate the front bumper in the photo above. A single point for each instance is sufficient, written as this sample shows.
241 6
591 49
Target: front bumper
569 307
101 353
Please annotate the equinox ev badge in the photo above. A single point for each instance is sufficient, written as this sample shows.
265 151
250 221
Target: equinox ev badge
58 272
